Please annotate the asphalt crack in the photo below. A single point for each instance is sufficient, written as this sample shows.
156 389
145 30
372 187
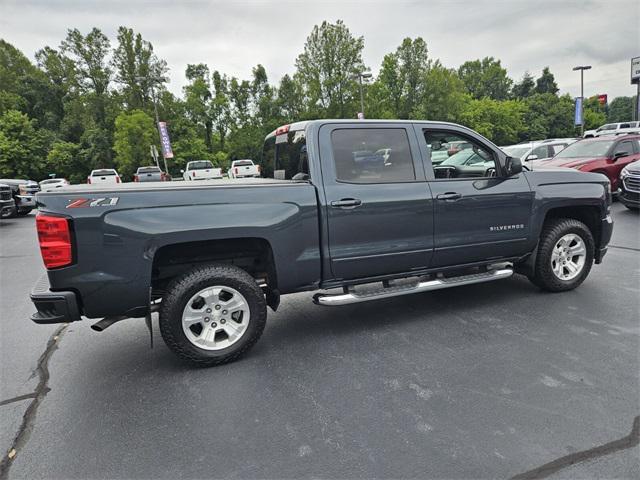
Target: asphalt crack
18 398
633 249
41 390
630 441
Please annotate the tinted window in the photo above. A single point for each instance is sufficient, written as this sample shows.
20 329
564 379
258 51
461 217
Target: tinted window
285 155
242 163
624 147
103 173
148 170
372 155
199 165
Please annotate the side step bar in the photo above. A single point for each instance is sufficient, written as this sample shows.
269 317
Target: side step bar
420 286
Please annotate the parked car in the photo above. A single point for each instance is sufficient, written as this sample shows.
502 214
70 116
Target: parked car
24 194
150 174
612 129
201 170
243 168
53 183
606 155
211 257
7 203
540 150
103 175
440 151
629 192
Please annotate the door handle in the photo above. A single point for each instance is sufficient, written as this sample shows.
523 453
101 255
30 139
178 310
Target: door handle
449 196
346 203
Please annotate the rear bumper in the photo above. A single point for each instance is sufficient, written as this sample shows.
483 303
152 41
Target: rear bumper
53 307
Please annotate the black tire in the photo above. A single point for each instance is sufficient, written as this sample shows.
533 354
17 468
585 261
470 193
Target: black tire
181 289
23 212
552 232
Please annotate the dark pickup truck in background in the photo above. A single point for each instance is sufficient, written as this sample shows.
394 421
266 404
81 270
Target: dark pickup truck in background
355 206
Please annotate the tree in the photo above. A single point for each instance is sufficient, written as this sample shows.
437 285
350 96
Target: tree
546 83
220 106
525 87
402 77
198 96
22 147
621 109
64 160
331 56
137 68
445 97
548 116
134 134
485 78
500 121
290 99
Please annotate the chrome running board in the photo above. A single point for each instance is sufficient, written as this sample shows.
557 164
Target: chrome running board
420 286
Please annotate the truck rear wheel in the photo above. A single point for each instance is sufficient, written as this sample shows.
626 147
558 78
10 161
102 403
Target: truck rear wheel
565 255
212 315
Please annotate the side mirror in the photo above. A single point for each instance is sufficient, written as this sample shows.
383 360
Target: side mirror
532 157
512 166
617 155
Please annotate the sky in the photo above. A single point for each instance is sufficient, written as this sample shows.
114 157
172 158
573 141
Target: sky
233 36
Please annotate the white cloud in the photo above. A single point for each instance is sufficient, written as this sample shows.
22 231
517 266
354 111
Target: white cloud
234 36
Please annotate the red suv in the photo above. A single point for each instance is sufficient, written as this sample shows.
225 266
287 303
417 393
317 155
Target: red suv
605 154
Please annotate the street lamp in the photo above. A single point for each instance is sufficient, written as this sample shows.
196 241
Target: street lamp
582 68
155 111
359 76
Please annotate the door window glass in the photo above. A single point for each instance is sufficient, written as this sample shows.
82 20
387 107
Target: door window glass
624 147
372 155
455 156
540 152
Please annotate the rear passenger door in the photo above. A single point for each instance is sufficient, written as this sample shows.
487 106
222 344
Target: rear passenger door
379 210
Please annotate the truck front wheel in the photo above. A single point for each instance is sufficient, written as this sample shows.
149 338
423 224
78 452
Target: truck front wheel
565 255
212 315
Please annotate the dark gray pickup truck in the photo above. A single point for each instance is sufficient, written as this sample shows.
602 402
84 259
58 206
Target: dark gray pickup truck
354 209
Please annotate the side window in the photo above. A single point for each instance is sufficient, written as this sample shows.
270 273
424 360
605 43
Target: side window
456 156
541 151
558 148
372 155
624 147
625 125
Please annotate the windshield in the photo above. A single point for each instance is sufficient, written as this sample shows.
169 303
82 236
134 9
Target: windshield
53 180
243 163
103 173
285 155
515 151
607 127
464 157
148 170
586 149
200 165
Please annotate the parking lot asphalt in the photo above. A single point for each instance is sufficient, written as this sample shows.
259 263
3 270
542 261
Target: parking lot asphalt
487 381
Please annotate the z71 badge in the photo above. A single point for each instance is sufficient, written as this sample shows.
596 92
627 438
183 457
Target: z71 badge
93 202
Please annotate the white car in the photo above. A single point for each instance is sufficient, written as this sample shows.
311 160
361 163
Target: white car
538 150
201 170
103 175
244 168
53 183
613 129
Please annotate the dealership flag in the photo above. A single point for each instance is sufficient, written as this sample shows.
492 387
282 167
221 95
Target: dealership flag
578 114
164 139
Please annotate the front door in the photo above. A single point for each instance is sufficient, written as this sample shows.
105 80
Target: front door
379 209
479 213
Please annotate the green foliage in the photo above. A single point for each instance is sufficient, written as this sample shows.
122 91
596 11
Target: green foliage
500 121
548 116
525 87
485 78
22 146
64 161
621 109
546 83
445 97
331 56
134 134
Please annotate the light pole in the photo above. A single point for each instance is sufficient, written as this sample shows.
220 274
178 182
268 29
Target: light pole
582 68
155 111
359 76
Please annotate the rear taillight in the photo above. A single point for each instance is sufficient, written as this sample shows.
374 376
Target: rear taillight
193 174
135 178
235 170
54 237
88 179
117 179
259 171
